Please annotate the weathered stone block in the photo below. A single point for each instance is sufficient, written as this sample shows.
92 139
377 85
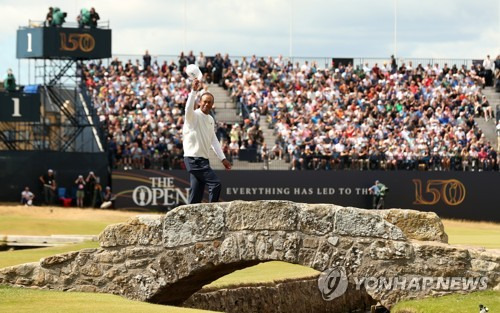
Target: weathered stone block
228 251
416 224
361 223
58 259
187 225
92 270
306 256
316 219
142 230
263 215
246 246
390 250
132 264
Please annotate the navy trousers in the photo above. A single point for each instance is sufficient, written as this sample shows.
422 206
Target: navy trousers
200 174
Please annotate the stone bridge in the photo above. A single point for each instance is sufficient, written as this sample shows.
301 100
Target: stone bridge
165 259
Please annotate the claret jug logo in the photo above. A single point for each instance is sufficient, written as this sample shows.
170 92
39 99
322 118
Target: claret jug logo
451 191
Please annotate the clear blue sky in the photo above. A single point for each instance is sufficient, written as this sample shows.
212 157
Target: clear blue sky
356 28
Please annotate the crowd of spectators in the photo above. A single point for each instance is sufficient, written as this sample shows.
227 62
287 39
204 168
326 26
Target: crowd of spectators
369 117
385 116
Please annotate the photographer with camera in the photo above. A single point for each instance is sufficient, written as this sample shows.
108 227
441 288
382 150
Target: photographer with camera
94 17
90 184
48 181
379 191
9 83
48 18
80 190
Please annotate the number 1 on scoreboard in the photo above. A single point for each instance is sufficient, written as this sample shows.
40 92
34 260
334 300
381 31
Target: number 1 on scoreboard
29 43
17 112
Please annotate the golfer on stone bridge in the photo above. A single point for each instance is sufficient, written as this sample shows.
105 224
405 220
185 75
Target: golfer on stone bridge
199 135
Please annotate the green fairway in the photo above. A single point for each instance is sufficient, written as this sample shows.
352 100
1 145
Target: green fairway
20 300
452 303
263 273
9 258
16 225
40 221
479 234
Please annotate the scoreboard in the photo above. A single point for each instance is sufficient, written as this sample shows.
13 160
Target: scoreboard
63 43
19 107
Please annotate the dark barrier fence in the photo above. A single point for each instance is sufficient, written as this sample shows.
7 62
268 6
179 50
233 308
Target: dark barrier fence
461 195
23 168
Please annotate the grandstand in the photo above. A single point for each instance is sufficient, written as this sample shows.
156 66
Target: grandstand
367 116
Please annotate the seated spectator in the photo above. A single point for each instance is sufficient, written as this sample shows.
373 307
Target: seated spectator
486 108
234 149
127 157
484 160
107 199
27 197
276 152
255 117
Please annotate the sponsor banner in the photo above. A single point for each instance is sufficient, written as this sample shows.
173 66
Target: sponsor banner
467 195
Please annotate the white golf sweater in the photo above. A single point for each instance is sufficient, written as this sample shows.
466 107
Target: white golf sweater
199 132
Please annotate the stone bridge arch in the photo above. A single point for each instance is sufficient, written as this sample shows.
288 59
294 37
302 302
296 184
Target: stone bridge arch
165 259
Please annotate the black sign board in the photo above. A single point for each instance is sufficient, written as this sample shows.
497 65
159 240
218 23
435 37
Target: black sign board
464 195
19 107
336 62
63 43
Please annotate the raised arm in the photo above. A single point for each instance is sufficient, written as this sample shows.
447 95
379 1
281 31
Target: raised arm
190 102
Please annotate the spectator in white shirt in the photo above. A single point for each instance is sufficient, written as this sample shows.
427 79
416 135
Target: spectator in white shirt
27 196
488 68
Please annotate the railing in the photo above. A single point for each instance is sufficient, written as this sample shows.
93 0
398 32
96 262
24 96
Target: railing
91 112
39 23
322 62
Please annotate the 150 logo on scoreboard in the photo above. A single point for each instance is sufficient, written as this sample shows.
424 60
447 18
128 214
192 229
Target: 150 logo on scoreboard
74 41
451 191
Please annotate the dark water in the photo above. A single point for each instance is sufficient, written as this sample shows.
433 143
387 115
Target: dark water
4 247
